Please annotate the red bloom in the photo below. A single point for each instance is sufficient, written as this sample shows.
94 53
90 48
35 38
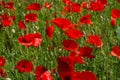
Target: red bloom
2 3
66 1
62 23
68 7
34 6
13 18
73 7
21 25
84 75
66 75
86 52
76 58
70 45
119 1
86 19
76 8
115 51
47 5
50 31
115 13
65 64
40 70
113 22
31 40
31 18
24 66
45 76
6 20
85 5
104 2
74 33
2 61
2 73
96 6
95 40
9 5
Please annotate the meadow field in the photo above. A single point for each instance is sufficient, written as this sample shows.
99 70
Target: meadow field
59 39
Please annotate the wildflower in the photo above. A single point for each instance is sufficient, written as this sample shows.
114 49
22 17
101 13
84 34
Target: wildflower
31 18
47 5
2 61
6 20
74 33
113 22
84 75
30 40
95 40
2 73
70 44
115 51
45 76
96 6
115 13
34 6
24 66
63 23
50 31
9 5
40 70
86 19
21 25
86 52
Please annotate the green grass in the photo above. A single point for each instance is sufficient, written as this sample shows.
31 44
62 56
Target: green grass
104 66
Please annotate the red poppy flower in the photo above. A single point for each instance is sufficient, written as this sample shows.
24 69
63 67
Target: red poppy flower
31 40
2 61
13 18
85 5
24 66
21 25
40 70
86 52
66 1
86 19
115 51
73 7
76 8
96 6
68 7
84 75
63 23
115 13
113 22
66 75
74 33
95 40
31 18
104 2
47 5
50 31
2 3
34 6
9 5
76 58
6 20
2 73
65 64
70 44
119 1
45 76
